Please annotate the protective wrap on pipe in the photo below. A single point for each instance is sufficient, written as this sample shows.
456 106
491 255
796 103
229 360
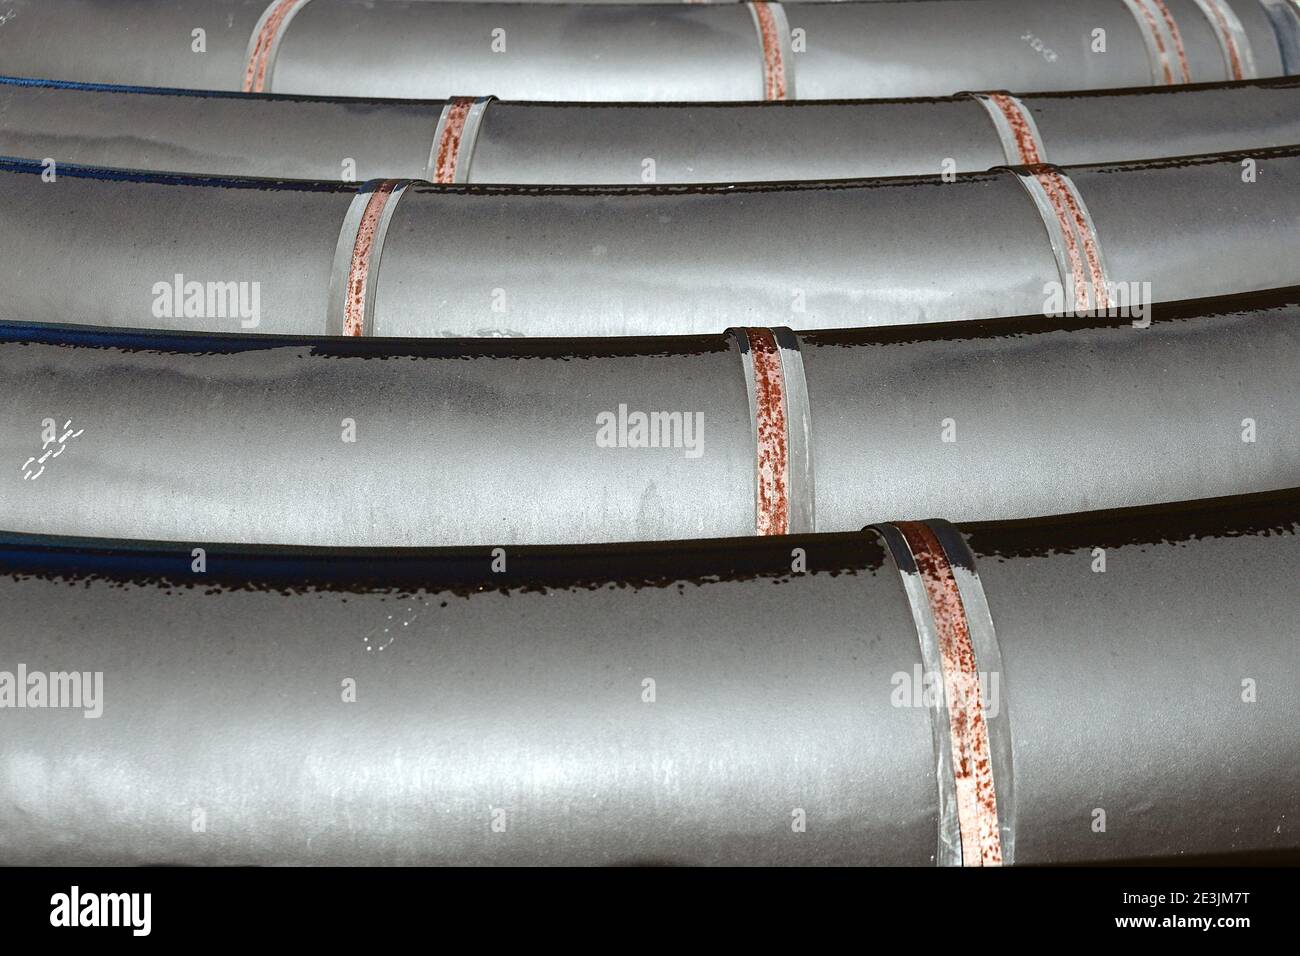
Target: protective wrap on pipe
581 261
698 52
369 442
705 702
292 137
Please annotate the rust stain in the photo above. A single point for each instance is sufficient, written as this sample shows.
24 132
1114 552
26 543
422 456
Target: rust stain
1073 222
354 306
1160 43
444 170
1177 39
1026 144
977 804
1100 292
772 514
1229 44
773 63
255 72
1050 180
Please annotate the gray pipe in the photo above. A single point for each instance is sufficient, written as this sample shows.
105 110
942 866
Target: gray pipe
427 442
570 261
293 137
690 702
645 53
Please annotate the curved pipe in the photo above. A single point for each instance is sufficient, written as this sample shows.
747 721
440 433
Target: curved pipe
235 134
426 442
645 53
703 702
586 261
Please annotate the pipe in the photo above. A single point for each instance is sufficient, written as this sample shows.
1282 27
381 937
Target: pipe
587 261
665 703
236 134
345 442
674 52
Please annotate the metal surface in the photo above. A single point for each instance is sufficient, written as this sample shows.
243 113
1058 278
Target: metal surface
541 143
690 702
672 52
424 442
95 246
528 433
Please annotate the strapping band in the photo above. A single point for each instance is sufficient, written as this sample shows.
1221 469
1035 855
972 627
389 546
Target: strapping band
1284 15
265 43
1234 44
1017 132
356 257
972 732
778 59
1072 234
1163 41
782 417
454 139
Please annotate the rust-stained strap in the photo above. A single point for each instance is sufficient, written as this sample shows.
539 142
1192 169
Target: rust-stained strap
780 410
1164 43
1234 44
265 43
972 735
454 138
356 257
774 39
1017 132
1073 235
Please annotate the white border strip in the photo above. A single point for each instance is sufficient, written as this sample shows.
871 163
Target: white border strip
984 637
1234 43
775 51
1019 146
341 272
466 137
251 83
948 846
798 419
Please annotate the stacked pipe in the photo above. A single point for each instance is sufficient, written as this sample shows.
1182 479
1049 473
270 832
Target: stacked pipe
523 441
757 433
604 260
649 53
531 143
525 700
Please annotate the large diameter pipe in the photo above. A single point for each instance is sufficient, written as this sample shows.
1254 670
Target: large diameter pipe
237 134
759 701
394 259
425 442
751 51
